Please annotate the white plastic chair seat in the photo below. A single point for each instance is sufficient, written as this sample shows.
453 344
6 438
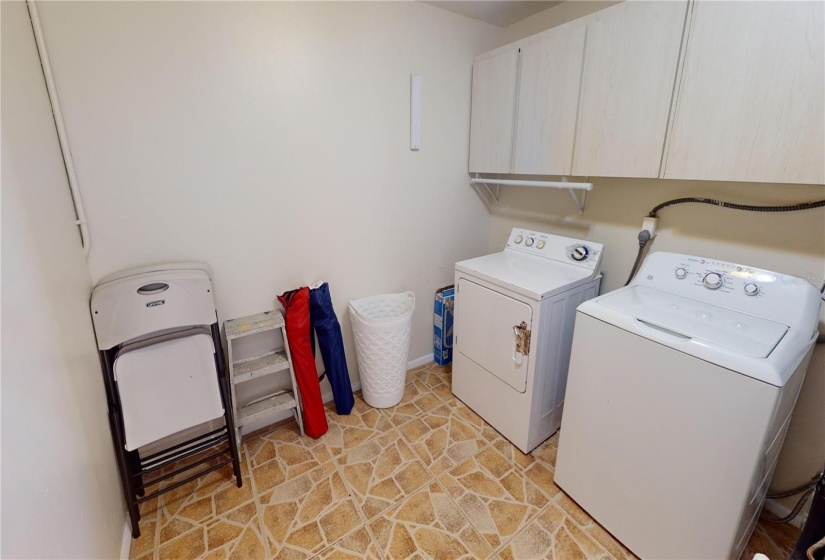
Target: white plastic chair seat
167 385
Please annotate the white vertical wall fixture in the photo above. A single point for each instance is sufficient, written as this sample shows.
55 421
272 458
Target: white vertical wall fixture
60 125
415 112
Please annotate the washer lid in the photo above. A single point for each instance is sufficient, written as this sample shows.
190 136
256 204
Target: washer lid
698 321
530 276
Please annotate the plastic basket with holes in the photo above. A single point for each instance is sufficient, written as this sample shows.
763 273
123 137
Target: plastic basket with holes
381 326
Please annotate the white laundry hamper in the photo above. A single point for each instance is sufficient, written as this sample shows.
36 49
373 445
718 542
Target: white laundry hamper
381 326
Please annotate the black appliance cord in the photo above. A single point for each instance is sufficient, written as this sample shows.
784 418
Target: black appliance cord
734 206
713 202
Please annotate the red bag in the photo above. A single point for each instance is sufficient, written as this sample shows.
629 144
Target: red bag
296 304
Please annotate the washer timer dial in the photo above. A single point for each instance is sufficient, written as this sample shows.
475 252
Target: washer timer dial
529 242
580 253
713 281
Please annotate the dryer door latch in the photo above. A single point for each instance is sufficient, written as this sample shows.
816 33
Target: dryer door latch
522 342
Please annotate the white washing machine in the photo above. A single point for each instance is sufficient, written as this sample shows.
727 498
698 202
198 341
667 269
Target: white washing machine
513 328
680 392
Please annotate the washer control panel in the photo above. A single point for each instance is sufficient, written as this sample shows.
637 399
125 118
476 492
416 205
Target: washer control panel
709 279
726 277
563 249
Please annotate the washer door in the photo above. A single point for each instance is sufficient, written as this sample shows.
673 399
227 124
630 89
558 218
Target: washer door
484 322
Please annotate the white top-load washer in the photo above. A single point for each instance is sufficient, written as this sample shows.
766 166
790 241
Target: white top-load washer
680 393
513 328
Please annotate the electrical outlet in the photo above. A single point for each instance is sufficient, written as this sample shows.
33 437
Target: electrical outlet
651 225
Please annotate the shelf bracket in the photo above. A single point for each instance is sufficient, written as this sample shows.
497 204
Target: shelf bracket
495 195
579 202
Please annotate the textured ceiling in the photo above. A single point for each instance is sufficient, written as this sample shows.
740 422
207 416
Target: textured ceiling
497 12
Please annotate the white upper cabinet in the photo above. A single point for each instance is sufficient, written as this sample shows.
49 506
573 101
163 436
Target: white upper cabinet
548 98
493 108
750 103
627 84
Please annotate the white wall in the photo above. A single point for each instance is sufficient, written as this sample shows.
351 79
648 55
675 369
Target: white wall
793 243
271 140
60 493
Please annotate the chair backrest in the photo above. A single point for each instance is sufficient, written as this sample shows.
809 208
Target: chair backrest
128 306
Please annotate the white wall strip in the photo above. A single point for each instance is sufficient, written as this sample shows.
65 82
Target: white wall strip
126 544
60 125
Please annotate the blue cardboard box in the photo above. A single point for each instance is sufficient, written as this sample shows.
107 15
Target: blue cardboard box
443 326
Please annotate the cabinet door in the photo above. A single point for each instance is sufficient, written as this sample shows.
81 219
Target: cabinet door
750 102
548 98
630 62
493 110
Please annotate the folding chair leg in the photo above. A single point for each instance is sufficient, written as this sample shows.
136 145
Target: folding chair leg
133 459
233 446
223 385
123 467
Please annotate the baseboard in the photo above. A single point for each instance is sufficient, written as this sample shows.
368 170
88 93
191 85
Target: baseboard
779 510
328 396
126 544
420 361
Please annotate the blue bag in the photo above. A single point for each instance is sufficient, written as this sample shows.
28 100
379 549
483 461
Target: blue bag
331 344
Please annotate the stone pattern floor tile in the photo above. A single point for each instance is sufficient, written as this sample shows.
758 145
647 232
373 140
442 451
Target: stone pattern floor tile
307 514
447 435
428 524
144 546
553 535
381 472
427 478
494 494
418 399
593 529
282 454
358 544
348 432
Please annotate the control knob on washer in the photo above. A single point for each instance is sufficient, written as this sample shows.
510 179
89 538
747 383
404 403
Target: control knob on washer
681 273
580 253
529 242
713 281
751 289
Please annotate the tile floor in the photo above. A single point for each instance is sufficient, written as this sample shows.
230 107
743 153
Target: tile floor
425 479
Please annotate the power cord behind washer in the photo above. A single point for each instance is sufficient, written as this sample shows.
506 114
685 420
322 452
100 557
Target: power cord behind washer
734 206
644 238
805 489
644 235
